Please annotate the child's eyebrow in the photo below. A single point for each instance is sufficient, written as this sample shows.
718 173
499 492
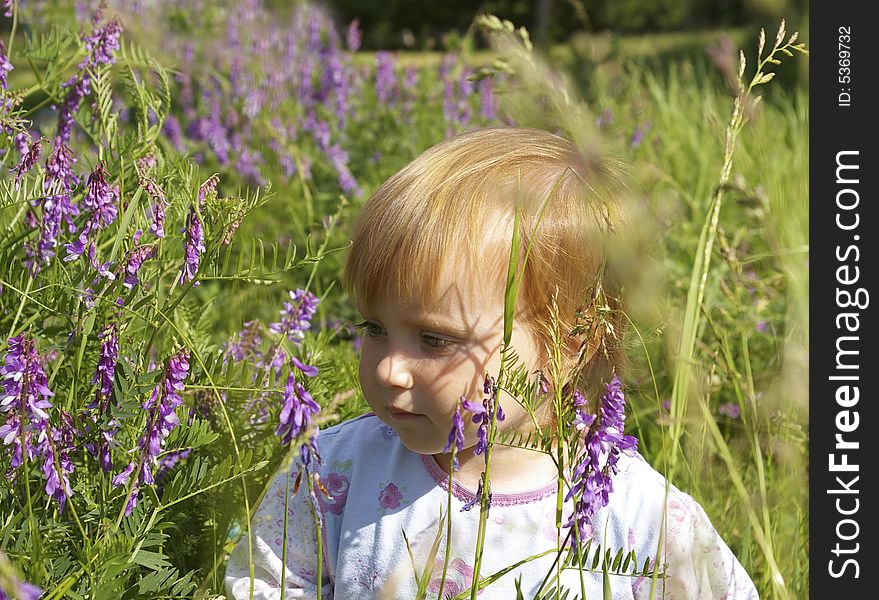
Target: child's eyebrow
437 324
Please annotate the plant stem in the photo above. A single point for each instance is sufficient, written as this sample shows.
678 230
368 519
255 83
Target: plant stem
448 552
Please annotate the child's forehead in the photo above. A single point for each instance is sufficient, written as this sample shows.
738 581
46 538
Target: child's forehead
456 287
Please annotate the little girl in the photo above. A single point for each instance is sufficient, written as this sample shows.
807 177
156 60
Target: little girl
427 271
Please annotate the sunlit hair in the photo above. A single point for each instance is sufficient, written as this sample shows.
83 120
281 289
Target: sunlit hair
453 207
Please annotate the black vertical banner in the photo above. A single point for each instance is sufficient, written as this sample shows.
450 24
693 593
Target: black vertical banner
844 235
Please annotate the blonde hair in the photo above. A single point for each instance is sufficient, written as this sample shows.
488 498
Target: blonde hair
457 201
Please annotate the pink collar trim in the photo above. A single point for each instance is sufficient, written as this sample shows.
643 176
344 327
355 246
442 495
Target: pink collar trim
466 495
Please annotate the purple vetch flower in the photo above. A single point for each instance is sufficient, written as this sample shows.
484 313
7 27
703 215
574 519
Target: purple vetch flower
7 7
307 370
247 345
478 496
385 77
193 247
170 460
174 133
483 414
28 159
353 36
100 198
762 326
638 135
5 66
604 119
730 409
297 412
456 435
136 258
11 587
296 315
207 190
487 109
26 393
161 420
339 158
59 168
54 444
106 368
602 444
102 43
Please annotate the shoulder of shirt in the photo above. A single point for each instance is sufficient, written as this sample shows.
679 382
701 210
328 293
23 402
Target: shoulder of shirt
637 481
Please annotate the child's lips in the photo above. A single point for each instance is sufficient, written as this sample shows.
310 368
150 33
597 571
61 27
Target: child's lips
400 414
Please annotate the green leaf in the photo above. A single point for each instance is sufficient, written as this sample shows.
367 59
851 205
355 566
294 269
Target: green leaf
155 561
511 289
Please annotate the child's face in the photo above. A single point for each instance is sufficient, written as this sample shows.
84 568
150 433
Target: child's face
416 363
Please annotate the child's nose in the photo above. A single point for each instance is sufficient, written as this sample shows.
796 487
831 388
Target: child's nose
393 371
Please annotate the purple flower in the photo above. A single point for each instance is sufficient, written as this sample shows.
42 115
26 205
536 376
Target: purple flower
161 420
456 435
354 36
476 498
12 588
307 370
80 87
5 65
730 409
385 77
174 133
106 368
26 392
486 100
638 135
102 43
248 344
603 442
339 158
28 160
100 198
193 247
7 5
298 410
483 414
54 444
296 316
136 258
170 460
59 168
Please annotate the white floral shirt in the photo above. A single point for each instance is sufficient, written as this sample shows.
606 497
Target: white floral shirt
378 488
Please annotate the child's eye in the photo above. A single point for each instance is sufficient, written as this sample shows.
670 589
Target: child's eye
437 343
369 328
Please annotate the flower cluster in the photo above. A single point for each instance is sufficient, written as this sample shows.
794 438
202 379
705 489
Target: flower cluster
30 156
100 200
483 413
296 316
13 588
26 402
298 411
5 66
603 442
456 435
100 46
161 419
193 247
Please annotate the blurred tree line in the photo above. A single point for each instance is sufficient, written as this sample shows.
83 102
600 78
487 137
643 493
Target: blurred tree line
402 24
